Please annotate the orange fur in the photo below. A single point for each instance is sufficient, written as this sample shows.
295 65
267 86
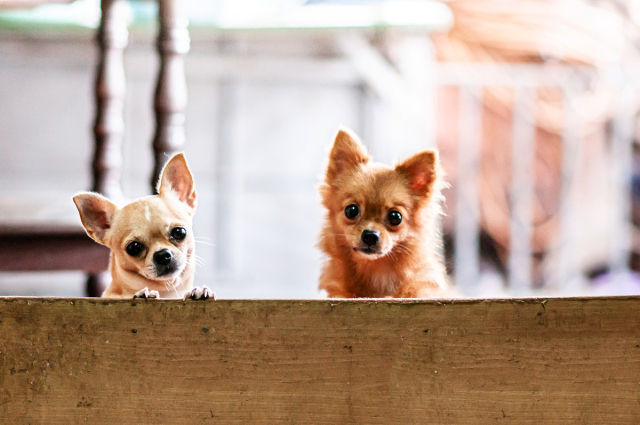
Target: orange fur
405 261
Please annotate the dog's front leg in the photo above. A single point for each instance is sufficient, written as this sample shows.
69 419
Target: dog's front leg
200 293
337 289
146 293
408 290
419 289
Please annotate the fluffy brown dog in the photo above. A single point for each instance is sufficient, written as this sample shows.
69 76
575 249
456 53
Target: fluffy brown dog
380 228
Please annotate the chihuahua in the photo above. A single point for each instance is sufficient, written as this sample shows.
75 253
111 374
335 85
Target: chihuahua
380 232
151 241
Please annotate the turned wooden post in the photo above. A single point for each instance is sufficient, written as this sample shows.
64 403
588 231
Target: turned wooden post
110 90
108 129
171 89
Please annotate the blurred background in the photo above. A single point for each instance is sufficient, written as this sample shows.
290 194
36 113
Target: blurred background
532 104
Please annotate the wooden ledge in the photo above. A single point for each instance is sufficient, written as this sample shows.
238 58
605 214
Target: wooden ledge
533 361
51 250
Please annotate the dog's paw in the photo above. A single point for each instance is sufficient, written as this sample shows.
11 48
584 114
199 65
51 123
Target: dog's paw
200 293
146 293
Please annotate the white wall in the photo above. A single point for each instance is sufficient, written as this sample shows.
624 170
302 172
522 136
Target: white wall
281 132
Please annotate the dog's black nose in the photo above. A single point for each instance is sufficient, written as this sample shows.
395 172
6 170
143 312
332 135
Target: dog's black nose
162 257
370 237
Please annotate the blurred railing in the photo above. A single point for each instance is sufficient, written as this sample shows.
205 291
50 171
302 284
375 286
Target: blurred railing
471 79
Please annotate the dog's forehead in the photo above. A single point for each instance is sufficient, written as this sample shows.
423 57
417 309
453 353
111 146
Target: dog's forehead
151 212
376 184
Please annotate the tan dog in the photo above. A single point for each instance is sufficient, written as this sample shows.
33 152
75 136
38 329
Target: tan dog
380 232
152 244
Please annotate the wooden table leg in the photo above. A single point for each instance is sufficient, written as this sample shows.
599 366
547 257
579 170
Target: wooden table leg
171 89
110 90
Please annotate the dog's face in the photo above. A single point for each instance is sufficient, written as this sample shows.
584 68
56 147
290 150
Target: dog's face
151 236
375 209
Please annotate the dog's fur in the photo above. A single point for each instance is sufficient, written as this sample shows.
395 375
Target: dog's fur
405 262
150 222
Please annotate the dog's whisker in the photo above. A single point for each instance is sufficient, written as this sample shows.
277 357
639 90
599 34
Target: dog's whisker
402 250
195 264
195 260
205 243
174 285
405 247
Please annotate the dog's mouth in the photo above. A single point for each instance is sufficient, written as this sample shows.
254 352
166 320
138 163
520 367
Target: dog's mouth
367 250
369 253
162 273
166 271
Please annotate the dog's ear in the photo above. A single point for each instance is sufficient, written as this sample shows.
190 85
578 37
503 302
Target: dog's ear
421 171
96 213
176 178
347 152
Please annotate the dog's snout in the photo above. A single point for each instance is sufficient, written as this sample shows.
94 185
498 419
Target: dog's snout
166 262
370 237
162 257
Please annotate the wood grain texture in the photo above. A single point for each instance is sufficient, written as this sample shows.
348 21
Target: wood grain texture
559 361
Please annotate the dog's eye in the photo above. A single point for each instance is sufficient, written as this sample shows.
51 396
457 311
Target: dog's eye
351 211
134 249
394 218
179 233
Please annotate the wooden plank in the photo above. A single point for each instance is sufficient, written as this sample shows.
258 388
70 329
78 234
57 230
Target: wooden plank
515 75
467 250
417 63
622 141
30 251
568 270
555 361
521 220
28 4
379 74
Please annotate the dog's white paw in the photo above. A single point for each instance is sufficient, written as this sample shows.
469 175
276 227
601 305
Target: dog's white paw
146 293
200 293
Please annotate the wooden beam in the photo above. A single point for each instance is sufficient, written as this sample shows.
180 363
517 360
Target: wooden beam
522 186
556 361
45 251
622 146
467 248
567 272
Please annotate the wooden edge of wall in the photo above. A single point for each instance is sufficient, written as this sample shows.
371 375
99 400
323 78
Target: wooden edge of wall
521 361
